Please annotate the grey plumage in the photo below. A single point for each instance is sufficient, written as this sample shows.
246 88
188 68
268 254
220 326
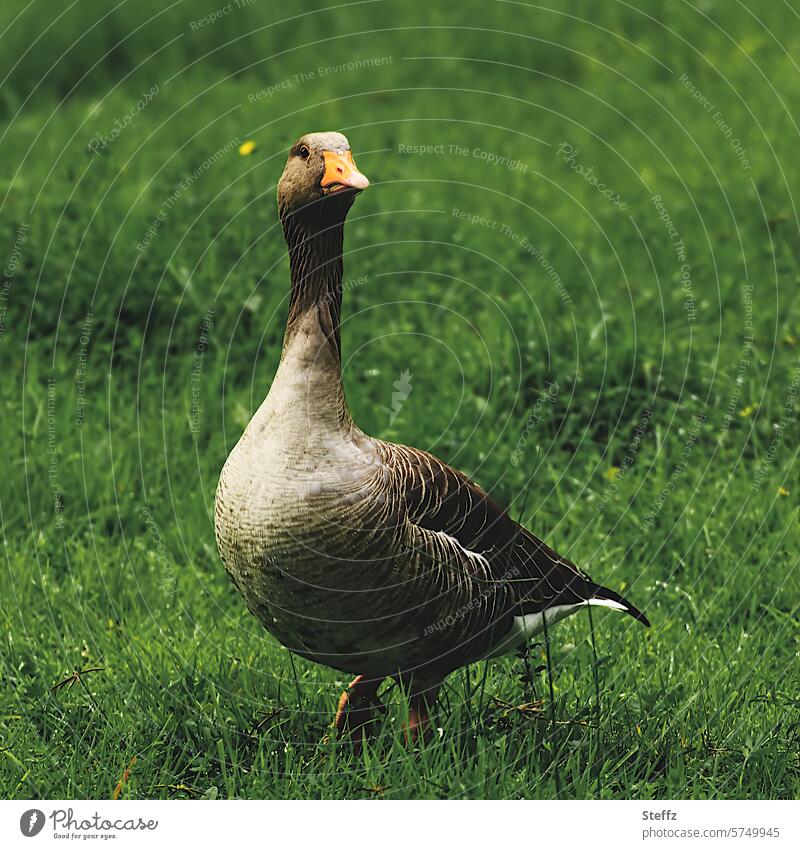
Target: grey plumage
373 558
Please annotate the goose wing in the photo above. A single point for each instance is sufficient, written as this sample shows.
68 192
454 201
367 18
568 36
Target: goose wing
530 575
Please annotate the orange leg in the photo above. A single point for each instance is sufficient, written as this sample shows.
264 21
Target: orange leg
419 714
354 714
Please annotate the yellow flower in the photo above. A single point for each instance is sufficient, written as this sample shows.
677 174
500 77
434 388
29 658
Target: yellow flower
750 45
782 491
748 410
246 148
612 472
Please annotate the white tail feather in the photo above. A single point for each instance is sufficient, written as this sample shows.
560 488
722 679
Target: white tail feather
605 602
528 626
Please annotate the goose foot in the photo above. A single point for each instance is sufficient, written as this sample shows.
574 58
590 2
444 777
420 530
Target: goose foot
354 714
419 705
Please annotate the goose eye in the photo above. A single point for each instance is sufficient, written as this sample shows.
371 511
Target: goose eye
304 152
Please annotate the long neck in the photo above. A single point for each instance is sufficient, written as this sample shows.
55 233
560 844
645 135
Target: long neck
315 259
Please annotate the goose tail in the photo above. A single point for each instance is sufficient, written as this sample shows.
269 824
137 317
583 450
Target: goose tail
604 597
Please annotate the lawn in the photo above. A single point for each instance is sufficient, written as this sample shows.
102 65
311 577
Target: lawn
578 258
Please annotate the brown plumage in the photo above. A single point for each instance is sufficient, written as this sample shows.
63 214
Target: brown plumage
373 558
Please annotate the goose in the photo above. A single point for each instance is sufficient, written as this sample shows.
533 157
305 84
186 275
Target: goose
376 559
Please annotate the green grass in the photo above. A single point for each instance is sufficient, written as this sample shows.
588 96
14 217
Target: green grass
109 561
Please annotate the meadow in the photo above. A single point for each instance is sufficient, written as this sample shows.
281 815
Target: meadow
574 275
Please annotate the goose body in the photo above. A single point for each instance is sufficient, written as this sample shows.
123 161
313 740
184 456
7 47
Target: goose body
372 558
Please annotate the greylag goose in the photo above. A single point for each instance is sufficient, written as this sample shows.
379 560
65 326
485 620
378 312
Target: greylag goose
372 558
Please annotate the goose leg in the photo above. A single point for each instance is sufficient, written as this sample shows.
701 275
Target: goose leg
419 705
354 714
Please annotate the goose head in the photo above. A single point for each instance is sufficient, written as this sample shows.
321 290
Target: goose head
320 176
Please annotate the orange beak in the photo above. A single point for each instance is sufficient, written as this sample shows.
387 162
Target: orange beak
341 173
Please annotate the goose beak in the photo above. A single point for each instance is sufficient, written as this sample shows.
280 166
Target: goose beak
341 173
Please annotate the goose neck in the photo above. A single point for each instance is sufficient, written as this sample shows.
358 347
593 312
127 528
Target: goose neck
315 260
